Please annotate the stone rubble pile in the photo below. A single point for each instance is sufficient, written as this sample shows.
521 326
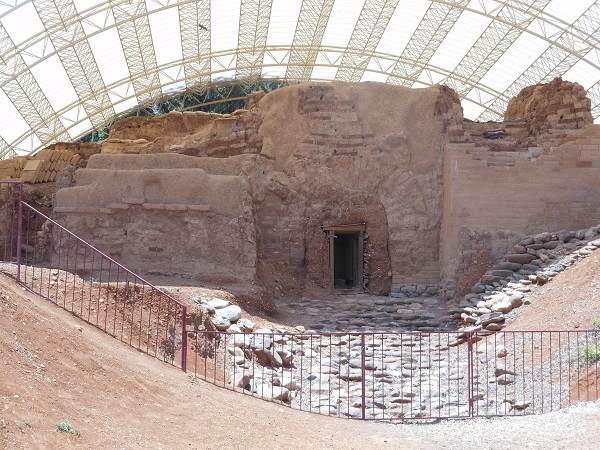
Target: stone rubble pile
223 315
402 311
324 373
404 375
534 261
359 312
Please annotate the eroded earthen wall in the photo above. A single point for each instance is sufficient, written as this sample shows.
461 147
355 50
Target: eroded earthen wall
298 159
344 153
557 105
173 218
244 196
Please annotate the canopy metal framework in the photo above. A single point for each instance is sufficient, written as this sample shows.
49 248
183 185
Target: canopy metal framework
68 67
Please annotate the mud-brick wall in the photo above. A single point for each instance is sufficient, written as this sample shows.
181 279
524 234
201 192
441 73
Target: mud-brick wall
342 153
171 220
558 191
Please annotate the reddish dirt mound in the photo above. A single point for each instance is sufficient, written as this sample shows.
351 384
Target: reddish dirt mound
588 388
54 367
570 301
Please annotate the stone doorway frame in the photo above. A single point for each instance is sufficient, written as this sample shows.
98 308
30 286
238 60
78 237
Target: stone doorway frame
357 229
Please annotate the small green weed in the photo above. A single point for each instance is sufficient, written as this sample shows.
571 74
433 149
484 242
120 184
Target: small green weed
24 423
596 324
589 354
66 427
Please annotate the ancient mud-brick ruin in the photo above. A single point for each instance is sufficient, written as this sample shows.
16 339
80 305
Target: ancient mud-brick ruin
337 185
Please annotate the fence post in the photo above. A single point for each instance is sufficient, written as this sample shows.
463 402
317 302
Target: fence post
184 339
363 375
19 232
470 373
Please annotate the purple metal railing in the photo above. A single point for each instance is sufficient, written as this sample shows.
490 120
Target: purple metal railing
58 265
396 376
540 371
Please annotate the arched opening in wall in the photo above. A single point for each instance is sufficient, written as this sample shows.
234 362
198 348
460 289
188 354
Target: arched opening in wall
346 247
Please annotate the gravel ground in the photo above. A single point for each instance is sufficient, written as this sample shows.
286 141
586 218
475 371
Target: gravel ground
576 427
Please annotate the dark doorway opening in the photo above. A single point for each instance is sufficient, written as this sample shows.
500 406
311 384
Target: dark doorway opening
345 261
346 256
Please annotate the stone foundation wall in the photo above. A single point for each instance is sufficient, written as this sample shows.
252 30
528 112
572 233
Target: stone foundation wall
491 205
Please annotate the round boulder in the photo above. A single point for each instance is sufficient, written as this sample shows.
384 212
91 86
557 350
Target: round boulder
232 313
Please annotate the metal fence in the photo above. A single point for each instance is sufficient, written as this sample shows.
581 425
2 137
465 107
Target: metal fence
412 375
58 265
383 376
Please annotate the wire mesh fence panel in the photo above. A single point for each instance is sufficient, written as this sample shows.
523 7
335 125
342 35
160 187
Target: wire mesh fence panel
534 372
387 376
418 375
398 376
81 279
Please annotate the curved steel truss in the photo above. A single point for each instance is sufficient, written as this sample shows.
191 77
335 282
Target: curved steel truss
68 67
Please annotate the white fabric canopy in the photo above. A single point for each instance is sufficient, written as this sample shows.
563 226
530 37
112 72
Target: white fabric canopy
68 67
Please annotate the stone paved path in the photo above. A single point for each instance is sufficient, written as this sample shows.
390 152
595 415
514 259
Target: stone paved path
364 312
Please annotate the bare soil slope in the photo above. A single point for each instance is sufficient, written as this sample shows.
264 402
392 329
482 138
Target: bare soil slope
570 301
54 367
